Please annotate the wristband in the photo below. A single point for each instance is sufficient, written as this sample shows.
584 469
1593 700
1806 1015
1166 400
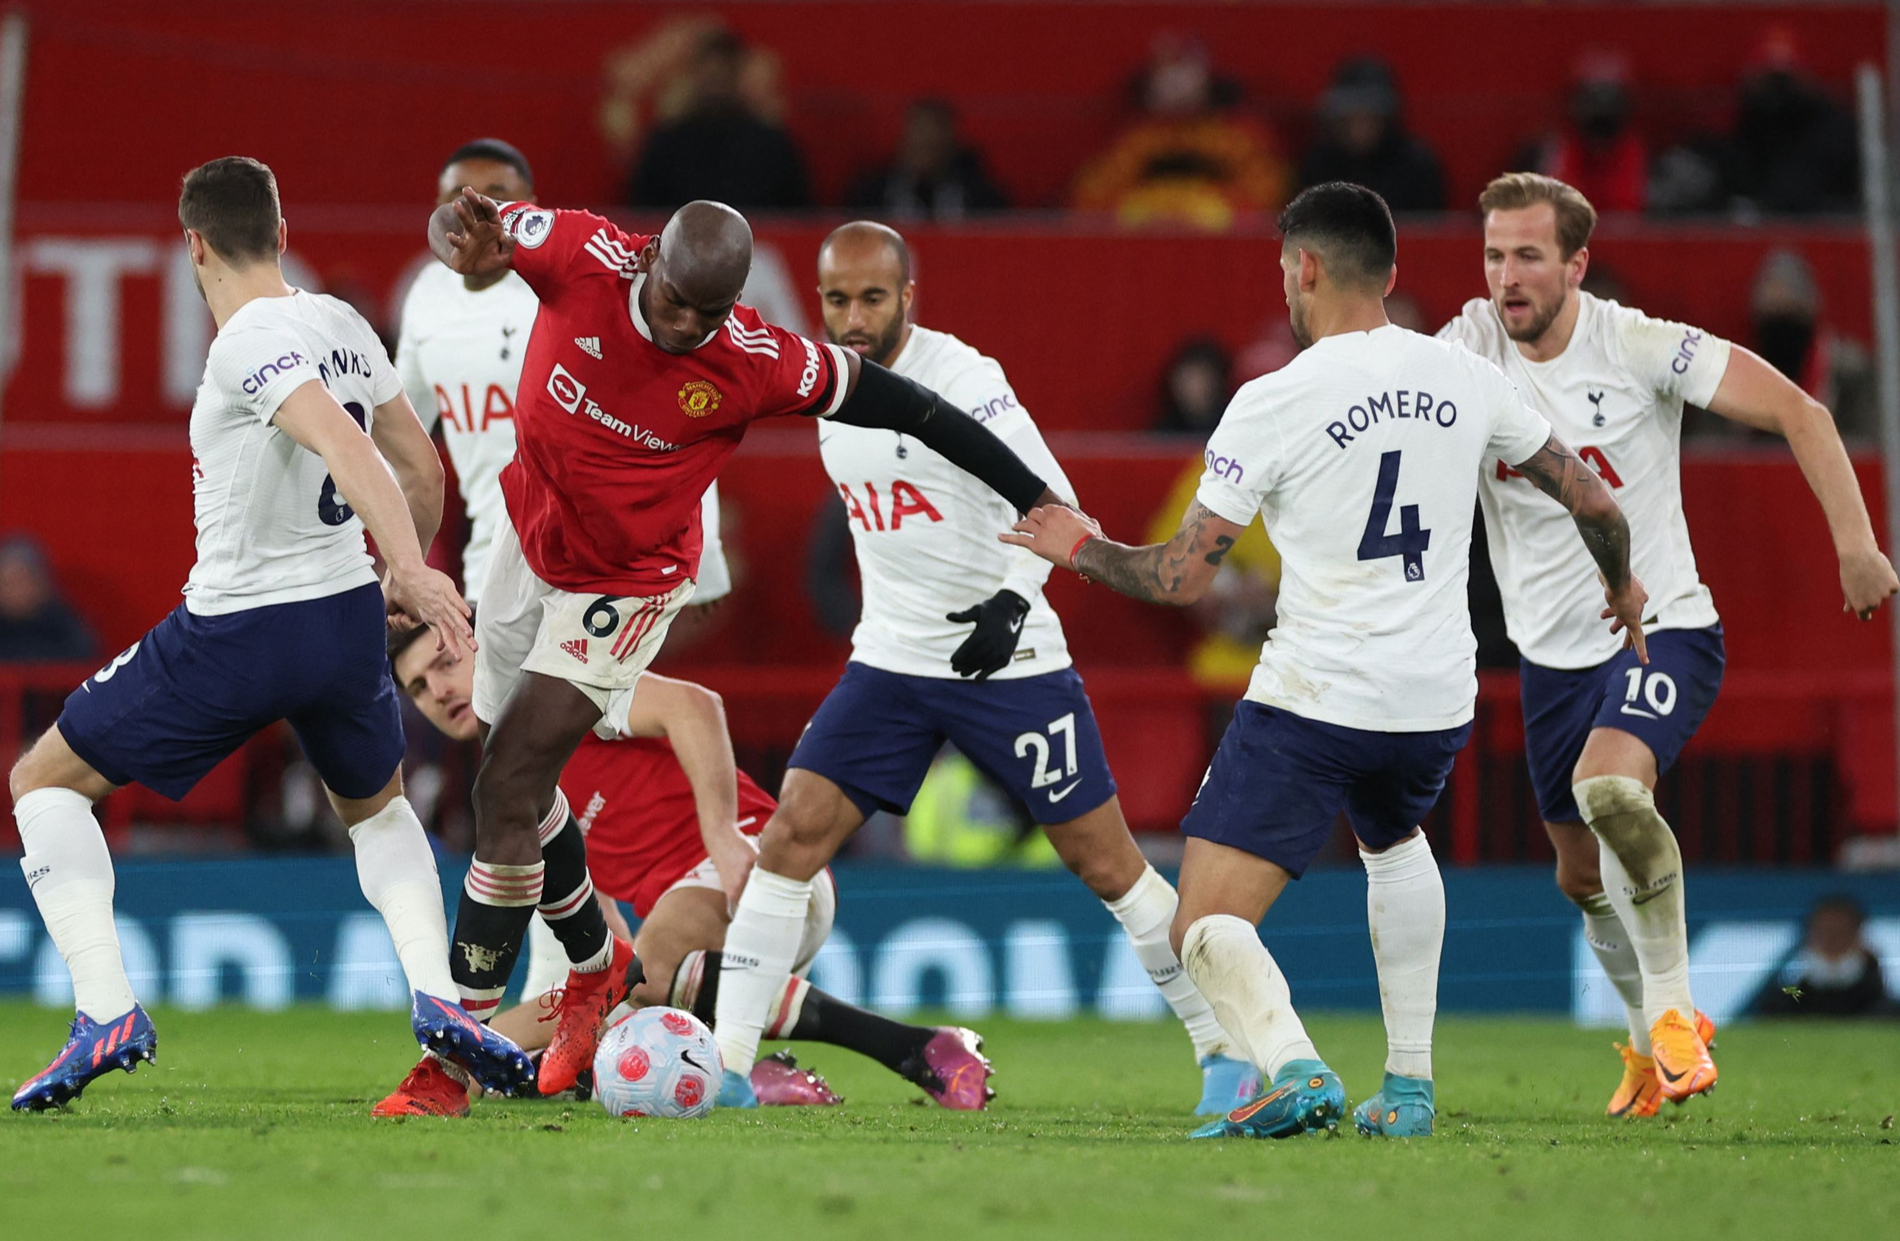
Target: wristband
1078 547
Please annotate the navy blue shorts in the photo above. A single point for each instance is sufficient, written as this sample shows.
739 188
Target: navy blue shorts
876 733
1279 781
1661 705
194 689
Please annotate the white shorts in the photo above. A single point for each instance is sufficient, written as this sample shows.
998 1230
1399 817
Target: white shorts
600 644
547 960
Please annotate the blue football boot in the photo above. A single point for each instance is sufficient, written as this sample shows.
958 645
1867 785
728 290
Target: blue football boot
1402 1109
1226 1083
491 1058
735 1090
1306 1096
92 1050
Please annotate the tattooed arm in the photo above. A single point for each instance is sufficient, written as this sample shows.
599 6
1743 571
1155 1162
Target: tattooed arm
1177 572
1558 473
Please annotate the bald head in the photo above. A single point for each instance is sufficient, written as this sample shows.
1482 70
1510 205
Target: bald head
865 241
706 252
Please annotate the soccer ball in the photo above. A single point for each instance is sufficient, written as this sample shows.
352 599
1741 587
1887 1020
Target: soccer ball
658 1062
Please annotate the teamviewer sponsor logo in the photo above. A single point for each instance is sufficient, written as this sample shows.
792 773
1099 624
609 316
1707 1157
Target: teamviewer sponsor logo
566 390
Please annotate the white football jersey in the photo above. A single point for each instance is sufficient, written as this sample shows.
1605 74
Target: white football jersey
1361 457
1615 396
925 531
459 354
271 526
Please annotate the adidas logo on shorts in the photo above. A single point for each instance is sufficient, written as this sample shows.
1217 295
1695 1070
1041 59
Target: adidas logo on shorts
590 345
577 647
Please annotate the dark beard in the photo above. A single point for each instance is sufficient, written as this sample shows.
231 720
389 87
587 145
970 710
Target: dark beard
1296 320
1539 325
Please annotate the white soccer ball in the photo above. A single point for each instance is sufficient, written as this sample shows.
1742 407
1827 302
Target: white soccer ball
658 1062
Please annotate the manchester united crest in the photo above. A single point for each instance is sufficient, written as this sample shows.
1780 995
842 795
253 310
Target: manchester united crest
699 397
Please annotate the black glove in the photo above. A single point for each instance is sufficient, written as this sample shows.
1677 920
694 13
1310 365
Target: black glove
999 622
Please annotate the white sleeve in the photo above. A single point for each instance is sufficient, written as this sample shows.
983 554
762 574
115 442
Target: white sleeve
409 370
384 383
1673 358
715 575
256 368
1518 432
1241 465
985 392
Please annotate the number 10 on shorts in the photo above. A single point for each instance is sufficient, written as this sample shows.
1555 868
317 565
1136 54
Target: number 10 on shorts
1034 743
1656 689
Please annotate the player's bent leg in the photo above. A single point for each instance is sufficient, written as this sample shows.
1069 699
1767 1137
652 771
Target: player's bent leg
69 871
1225 892
1099 850
1643 878
813 818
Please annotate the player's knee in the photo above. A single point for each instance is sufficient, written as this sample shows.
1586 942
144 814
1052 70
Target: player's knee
806 814
1580 885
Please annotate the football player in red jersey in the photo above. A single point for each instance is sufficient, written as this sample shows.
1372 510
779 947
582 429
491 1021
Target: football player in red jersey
641 375
650 801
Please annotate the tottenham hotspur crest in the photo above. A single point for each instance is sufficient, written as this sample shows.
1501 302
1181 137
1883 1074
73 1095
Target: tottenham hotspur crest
1596 403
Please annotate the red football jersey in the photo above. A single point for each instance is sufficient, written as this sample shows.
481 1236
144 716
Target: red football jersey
616 439
642 823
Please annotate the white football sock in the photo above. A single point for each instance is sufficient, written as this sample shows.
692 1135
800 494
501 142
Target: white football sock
1405 910
1642 876
397 872
761 947
1603 931
547 961
1233 969
69 871
1146 911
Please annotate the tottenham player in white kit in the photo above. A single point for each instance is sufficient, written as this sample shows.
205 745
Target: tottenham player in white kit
302 438
1358 456
956 643
462 341
1599 730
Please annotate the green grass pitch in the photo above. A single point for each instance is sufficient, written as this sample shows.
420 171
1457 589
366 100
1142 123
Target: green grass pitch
256 1125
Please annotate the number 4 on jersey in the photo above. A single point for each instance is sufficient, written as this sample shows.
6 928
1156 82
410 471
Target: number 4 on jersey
1411 541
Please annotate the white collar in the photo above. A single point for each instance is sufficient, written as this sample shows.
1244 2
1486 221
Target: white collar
640 320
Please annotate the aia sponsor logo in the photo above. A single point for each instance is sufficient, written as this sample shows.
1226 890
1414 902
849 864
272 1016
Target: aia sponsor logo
700 397
577 647
634 1064
905 500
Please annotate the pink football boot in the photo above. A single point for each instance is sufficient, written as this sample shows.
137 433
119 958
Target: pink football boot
779 1082
952 1070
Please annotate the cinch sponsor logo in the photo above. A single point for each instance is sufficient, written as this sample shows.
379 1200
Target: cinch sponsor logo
1225 467
1685 352
809 377
994 406
1391 406
255 381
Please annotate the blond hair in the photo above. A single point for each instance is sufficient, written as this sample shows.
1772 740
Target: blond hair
1514 191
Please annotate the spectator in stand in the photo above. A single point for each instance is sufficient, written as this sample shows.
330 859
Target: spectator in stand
36 625
1194 388
1790 334
1364 140
720 146
1835 974
1596 149
1793 151
933 177
1190 158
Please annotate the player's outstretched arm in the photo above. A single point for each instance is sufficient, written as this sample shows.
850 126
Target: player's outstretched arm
879 398
1559 474
411 454
693 720
466 234
311 416
1177 572
1756 394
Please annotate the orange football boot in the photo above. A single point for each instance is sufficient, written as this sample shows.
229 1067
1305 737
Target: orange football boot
582 1007
429 1090
1683 1065
1640 1093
